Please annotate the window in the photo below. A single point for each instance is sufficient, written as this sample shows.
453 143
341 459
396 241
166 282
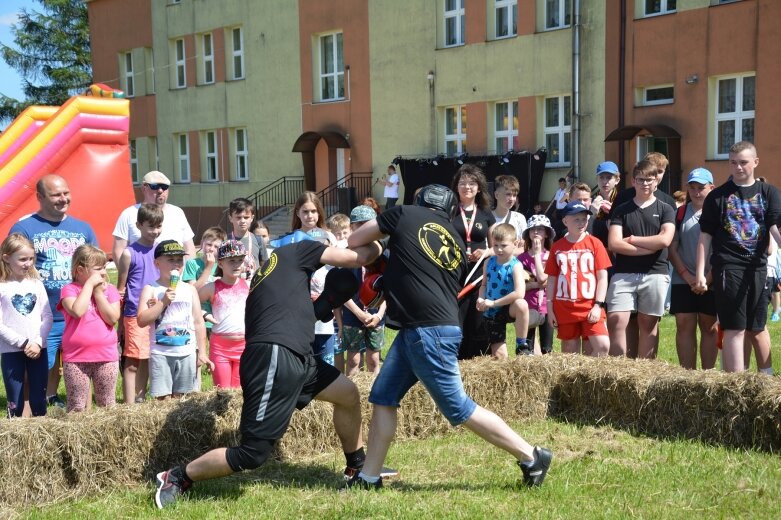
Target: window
558 130
242 172
654 7
506 128
455 129
134 162
237 53
331 67
130 88
208 58
212 173
455 23
558 14
183 157
179 68
506 18
735 98
149 54
662 95
153 145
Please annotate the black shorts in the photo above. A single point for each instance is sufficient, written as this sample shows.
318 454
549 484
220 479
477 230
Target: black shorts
497 326
742 296
774 287
276 381
683 301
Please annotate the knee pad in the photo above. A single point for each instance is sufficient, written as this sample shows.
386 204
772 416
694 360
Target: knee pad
250 454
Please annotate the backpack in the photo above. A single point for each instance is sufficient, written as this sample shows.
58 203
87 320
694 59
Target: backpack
679 214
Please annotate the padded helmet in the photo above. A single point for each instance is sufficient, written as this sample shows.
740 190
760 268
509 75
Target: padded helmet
438 197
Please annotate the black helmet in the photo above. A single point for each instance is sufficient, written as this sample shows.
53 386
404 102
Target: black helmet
438 197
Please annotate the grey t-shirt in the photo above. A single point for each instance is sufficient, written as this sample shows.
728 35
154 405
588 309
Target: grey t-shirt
687 235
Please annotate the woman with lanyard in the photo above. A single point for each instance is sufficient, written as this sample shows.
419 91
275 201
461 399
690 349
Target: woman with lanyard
472 221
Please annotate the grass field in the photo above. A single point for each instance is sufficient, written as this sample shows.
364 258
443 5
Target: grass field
598 473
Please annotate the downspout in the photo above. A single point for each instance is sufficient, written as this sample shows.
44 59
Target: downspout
621 80
576 90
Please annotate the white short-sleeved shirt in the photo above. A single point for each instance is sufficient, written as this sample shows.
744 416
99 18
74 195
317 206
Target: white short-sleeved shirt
175 225
392 192
517 220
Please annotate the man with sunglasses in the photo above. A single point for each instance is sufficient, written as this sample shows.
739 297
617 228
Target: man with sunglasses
154 190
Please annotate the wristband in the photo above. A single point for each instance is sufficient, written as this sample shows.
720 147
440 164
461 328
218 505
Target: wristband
26 341
599 304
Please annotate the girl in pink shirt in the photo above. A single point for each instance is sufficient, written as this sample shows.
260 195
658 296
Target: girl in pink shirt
89 344
228 296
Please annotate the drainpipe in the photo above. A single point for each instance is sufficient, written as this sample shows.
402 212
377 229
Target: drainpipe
621 80
576 90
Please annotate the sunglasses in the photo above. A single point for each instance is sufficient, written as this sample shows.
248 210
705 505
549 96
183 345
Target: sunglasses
155 187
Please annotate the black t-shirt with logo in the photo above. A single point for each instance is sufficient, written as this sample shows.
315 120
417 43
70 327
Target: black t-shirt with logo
642 222
425 268
738 218
279 309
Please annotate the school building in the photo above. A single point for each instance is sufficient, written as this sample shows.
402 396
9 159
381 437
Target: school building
230 96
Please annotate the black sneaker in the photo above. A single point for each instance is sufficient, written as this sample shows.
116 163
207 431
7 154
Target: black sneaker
524 351
534 474
54 400
168 489
357 482
385 472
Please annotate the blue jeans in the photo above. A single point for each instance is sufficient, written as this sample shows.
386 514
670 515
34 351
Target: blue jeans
324 346
14 367
53 341
428 355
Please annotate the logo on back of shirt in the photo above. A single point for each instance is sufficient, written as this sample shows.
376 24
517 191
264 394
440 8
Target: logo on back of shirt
440 246
265 270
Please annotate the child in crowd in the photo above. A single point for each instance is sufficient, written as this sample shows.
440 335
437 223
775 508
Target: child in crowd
577 283
241 215
89 344
363 328
581 192
324 345
260 230
308 214
506 189
25 321
135 269
372 203
339 225
202 270
537 240
608 177
227 296
680 198
175 311
690 308
501 295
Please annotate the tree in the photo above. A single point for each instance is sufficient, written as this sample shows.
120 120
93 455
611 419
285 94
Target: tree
52 54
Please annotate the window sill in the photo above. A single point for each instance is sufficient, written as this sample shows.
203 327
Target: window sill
655 15
330 101
551 29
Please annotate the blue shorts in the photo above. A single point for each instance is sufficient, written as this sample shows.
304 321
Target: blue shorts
428 355
53 341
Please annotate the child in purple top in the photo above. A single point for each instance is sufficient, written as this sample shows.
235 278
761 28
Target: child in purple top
135 269
537 240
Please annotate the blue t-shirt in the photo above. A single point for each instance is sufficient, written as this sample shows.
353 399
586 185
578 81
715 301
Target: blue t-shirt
500 282
54 244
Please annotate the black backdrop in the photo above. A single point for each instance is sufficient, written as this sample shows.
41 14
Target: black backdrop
525 166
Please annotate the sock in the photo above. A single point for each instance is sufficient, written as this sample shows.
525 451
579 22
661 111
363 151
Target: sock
355 459
179 473
367 478
768 371
521 343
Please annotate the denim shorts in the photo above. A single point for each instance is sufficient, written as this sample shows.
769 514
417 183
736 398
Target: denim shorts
428 355
53 342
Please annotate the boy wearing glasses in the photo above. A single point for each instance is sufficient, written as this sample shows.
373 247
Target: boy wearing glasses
154 190
639 234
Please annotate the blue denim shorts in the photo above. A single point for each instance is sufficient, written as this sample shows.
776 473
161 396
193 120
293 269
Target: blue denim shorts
53 341
428 355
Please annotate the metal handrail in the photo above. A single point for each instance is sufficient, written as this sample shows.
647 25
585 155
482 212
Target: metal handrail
281 192
344 194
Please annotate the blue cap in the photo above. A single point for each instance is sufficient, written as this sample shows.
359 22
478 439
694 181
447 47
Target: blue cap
608 167
700 175
573 208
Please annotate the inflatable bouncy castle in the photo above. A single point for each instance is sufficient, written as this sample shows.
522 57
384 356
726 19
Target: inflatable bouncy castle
86 142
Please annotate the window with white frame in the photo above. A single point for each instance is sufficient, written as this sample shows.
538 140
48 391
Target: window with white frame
183 157
134 162
127 74
180 69
331 67
654 7
242 155
506 126
207 43
455 129
558 130
657 95
455 23
506 18
237 52
212 163
153 145
735 98
558 14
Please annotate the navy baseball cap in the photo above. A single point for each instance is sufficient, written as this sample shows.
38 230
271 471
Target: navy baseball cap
573 208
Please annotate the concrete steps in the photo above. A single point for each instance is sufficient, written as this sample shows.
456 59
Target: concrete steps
278 223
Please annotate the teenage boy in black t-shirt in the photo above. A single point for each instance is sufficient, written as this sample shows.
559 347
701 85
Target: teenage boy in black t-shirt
423 276
639 234
737 220
278 370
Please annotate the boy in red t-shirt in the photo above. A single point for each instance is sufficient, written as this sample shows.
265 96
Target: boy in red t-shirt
577 284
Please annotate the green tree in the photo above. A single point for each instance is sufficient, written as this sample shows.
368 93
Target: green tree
51 53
